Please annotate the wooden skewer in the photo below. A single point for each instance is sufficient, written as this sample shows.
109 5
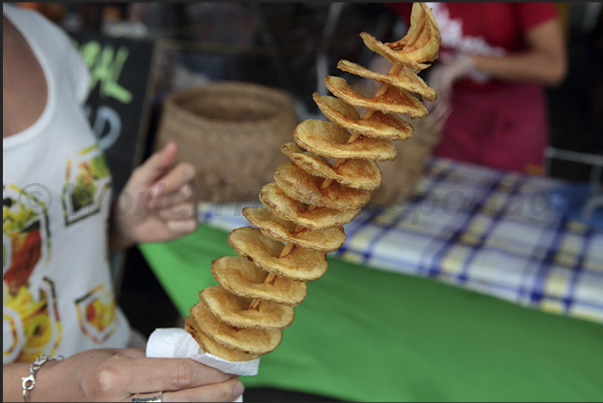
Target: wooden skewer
355 135
271 276
367 114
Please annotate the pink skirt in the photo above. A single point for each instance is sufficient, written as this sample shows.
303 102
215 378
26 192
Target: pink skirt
504 128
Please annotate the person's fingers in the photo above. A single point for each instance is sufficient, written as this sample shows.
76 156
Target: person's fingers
156 165
180 211
182 227
131 352
220 392
187 190
445 89
181 195
146 375
445 115
175 178
434 83
441 111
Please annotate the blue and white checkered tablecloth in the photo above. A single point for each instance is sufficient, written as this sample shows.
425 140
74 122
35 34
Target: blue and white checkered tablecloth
483 229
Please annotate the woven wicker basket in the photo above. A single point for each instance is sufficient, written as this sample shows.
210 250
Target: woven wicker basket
400 177
232 133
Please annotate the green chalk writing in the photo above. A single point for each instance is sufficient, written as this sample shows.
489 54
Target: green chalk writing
105 68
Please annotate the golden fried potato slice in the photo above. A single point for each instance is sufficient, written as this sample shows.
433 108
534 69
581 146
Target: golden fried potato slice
393 101
249 341
235 311
241 277
405 79
422 41
325 240
329 140
303 187
395 57
209 346
300 264
379 124
357 174
281 205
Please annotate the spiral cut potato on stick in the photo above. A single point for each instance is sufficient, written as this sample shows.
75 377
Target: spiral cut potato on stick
311 199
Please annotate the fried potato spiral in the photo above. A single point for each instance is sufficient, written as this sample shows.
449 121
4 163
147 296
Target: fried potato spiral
311 199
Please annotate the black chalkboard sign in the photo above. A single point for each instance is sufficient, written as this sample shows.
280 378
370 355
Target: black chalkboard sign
118 104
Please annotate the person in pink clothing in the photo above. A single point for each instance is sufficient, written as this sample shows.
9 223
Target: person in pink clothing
495 62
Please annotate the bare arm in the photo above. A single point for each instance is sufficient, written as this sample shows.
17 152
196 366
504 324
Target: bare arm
544 62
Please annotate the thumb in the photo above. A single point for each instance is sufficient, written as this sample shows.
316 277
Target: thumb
157 164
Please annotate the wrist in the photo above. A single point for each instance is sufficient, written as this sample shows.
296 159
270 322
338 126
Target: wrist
471 65
37 382
11 381
467 61
119 235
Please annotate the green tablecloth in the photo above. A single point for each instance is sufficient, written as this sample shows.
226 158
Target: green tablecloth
369 335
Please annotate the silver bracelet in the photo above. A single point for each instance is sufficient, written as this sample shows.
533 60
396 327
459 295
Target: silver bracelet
30 381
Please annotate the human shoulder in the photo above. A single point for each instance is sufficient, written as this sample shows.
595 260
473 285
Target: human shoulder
533 14
33 23
59 49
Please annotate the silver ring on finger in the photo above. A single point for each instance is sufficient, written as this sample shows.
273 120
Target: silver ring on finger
150 397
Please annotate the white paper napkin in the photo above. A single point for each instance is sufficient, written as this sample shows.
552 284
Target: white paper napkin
178 343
